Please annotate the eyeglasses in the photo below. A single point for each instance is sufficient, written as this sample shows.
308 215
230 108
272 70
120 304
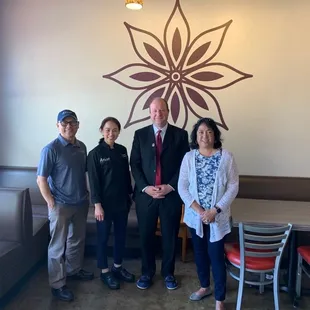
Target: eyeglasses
71 123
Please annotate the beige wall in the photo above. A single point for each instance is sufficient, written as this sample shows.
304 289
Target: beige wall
54 53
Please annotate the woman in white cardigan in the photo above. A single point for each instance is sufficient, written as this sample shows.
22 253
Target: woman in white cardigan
208 183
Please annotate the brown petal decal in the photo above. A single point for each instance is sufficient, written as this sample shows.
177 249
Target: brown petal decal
156 94
198 53
154 54
213 110
176 44
197 98
135 76
145 76
175 107
207 76
176 36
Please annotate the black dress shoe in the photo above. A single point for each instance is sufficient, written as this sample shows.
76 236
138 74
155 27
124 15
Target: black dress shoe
63 293
122 274
108 279
82 275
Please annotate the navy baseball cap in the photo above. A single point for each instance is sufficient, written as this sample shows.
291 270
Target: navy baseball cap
66 113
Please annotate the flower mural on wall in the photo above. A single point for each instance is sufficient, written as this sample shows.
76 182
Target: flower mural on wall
178 69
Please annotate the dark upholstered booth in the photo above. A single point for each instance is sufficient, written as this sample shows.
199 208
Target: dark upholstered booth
254 187
25 177
23 239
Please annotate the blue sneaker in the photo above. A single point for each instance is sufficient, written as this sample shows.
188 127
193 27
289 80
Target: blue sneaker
171 283
144 282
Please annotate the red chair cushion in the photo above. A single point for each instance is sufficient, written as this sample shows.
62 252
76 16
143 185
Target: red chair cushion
232 251
304 251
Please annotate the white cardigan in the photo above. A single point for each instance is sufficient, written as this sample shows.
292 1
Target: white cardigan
225 190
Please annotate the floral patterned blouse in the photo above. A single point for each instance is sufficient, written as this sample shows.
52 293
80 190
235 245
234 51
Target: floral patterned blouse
206 169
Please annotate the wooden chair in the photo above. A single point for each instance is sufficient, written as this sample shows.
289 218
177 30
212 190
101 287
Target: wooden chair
182 234
303 261
259 251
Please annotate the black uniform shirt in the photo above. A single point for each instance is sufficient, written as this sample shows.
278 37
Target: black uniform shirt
109 177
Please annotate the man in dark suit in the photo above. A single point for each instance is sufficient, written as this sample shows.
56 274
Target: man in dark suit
155 160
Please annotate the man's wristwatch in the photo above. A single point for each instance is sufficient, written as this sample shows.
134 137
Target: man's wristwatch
218 210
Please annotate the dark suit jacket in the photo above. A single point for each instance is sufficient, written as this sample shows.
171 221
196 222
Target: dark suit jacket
143 160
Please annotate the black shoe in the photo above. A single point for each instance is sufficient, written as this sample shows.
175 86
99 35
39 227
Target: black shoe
63 293
122 274
82 275
108 279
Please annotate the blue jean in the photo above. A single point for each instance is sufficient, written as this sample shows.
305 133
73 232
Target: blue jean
103 233
210 253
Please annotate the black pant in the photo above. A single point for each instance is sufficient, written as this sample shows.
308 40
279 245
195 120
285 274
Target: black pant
207 253
103 232
169 216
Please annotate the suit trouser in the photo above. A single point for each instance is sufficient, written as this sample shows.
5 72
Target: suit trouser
103 232
66 247
169 216
210 253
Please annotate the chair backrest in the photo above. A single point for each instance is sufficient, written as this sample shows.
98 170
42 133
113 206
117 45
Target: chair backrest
260 241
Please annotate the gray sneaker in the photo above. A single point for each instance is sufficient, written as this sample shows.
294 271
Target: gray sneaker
196 296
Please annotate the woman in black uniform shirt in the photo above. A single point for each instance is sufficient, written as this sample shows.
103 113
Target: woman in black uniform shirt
110 185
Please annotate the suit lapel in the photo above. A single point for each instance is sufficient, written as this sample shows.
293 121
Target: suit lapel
151 138
168 138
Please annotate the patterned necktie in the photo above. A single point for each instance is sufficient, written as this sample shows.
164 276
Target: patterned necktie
159 146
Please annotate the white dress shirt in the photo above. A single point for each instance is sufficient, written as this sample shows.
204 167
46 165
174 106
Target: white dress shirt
163 131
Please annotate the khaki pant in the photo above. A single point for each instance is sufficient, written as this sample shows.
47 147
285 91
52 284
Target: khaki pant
66 247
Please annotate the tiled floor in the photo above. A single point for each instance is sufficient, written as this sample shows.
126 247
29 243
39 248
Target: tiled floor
35 294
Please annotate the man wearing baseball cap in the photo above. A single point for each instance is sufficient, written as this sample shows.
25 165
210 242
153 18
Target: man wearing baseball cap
61 177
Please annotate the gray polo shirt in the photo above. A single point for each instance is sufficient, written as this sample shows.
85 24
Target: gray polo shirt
64 166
